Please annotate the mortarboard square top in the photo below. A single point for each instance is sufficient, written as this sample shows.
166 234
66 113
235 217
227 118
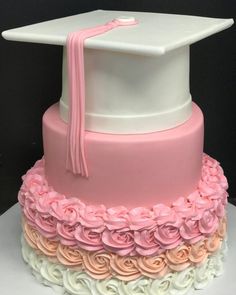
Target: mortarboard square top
137 77
156 33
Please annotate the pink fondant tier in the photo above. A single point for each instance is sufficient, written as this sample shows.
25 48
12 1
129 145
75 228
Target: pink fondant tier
128 170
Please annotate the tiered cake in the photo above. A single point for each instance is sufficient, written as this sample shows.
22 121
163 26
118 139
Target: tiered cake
124 200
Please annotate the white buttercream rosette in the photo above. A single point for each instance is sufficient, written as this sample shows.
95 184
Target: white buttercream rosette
69 281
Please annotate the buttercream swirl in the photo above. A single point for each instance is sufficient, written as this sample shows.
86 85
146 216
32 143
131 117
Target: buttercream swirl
46 225
69 257
163 286
125 267
222 227
97 264
153 266
178 258
168 236
66 233
189 230
78 282
108 287
31 235
184 280
136 287
143 231
48 247
52 272
119 242
88 239
117 218
67 210
146 243
213 243
203 276
198 252
103 265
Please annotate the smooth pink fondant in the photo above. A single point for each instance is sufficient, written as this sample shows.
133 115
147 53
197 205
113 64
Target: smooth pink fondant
75 159
130 170
141 230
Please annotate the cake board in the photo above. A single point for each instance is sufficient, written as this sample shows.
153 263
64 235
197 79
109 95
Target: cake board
16 278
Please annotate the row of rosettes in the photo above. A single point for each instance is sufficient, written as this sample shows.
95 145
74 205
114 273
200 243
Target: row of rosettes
119 230
76 282
102 265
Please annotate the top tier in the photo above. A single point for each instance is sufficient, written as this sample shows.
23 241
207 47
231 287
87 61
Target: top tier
136 77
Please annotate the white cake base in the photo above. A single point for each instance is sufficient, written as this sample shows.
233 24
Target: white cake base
15 277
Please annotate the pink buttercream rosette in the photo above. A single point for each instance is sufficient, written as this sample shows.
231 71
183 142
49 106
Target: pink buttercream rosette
141 231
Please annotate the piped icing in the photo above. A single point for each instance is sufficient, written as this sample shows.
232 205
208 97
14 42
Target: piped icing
143 231
103 264
78 282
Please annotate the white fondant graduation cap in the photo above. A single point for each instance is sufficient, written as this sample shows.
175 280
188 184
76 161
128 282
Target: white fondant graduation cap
136 77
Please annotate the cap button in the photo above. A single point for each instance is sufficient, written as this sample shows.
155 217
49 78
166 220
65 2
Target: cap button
126 20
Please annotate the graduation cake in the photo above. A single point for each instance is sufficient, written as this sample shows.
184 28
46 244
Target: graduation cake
124 200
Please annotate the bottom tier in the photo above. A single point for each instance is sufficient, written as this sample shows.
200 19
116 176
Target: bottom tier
83 249
69 281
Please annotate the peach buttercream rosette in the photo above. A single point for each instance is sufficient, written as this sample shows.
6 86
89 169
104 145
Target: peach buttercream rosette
103 264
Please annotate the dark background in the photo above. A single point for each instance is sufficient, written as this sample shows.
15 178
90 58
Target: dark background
30 81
